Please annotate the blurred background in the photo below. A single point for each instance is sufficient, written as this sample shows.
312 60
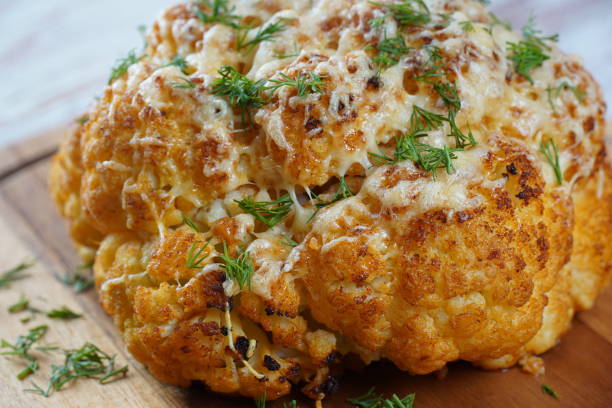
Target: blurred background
56 55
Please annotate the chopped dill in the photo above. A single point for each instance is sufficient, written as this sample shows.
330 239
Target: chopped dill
220 13
14 274
239 268
372 400
186 84
63 313
87 362
241 92
288 241
196 256
189 222
549 150
547 389
344 191
555 92
408 12
179 62
389 51
467 26
77 279
306 83
22 347
122 65
295 53
528 53
268 212
264 33
81 120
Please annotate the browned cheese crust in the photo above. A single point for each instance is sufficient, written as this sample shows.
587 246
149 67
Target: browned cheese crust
486 263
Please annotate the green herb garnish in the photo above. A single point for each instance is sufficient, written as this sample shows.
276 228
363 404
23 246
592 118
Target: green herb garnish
186 84
82 120
122 65
467 26
555 92
22 347
291 404
389 51
14 274
179 62
79 281
220 13
408 12
268 212
528 53
547 389
288 241
344 191
371 400
306 83
241 92
196 256
549 150
89 362
264 33
239 268
189 222
63 313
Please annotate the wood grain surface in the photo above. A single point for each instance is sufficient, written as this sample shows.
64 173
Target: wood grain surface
578 368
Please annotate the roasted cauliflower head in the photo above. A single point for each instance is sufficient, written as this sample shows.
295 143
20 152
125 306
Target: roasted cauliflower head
273 185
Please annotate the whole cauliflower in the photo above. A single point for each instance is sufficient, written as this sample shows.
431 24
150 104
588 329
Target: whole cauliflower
274 184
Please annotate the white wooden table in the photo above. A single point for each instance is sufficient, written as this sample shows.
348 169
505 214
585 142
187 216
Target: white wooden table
55 55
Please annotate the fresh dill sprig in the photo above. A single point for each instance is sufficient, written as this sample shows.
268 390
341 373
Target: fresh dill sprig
408 12
534 35
179 62
499 22
21 305
528 53
241 92
427 157
547 389
467 26
63 313
268 212
220 13
81 120
425 120
22 347
88 362
122 66
306 83
260 402
264 33
186 84
189 222
288 241
196 256
526 56
291 404
239 268
389 51
78 280
14 274
549 150
372 400
344 191
295 53
555 92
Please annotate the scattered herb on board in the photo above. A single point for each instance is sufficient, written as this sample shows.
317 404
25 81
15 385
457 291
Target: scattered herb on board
372 400
22 347
268 212
63 313
14 274
547 389
87 362
549 150
78 279
239 268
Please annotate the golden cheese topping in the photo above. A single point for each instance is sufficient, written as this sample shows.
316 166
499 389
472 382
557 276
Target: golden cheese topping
390 178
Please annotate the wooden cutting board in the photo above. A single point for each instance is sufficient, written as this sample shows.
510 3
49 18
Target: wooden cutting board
579 368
